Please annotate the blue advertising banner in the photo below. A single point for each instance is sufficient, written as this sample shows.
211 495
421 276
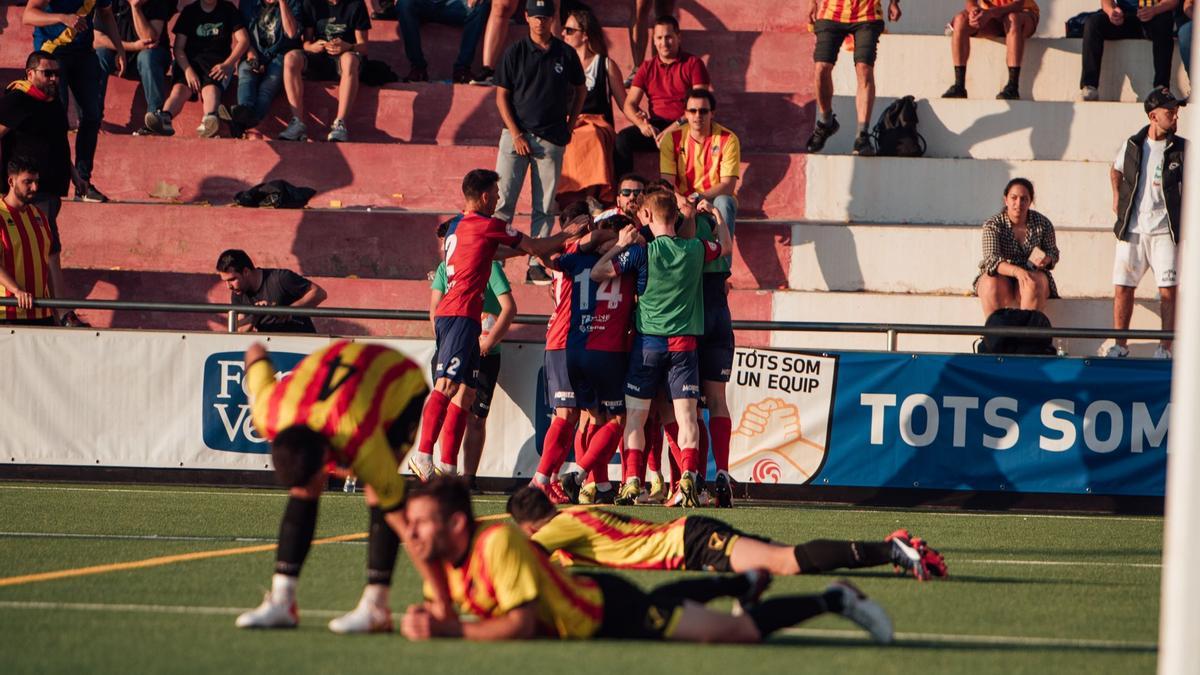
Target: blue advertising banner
1023 424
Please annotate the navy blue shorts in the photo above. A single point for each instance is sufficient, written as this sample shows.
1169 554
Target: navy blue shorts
652 367
716 345
586 379
457 357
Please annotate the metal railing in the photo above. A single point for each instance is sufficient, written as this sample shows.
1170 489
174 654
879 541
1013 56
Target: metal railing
891 331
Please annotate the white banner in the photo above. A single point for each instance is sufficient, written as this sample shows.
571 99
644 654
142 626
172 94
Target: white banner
781 405
175 400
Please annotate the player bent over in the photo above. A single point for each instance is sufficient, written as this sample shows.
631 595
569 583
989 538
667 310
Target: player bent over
507 581
358 405
600 537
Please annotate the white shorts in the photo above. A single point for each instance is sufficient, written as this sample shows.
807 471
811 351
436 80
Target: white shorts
1155 251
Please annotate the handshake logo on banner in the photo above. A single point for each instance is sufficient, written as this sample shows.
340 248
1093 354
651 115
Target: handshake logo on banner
781 405
226 418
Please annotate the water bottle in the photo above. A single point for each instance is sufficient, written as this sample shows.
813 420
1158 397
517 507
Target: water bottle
350 484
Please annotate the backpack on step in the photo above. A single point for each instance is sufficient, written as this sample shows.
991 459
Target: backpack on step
1022 318
896 132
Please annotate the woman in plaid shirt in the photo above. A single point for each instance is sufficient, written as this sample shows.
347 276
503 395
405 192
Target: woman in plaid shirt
1019 250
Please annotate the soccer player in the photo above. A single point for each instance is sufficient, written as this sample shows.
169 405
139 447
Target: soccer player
593 536
472 241
669 319
358 405
500 576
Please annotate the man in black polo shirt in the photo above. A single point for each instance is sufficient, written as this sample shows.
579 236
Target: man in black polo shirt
539 91
249 285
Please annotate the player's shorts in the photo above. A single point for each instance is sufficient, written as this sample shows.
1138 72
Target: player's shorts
652 367
707 543
633 614
716 345
485 384
457 356
1157 252
586 379
831 34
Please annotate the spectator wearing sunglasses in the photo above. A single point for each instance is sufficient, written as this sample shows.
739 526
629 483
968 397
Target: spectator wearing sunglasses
701 158
629 194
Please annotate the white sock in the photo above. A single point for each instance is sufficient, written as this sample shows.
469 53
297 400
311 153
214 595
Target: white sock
375 595
448 469
603 487
283 588
541 478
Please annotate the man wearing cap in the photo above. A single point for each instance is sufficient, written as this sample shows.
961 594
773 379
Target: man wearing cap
1147 185
539 90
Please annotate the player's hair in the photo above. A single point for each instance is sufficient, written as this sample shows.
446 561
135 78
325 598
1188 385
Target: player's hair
573 211
298 453
234 260
21 164
1023 182
635 177
662 206
667 20
704 94
478 181
35 59
591 28
443 227
451 494
529 505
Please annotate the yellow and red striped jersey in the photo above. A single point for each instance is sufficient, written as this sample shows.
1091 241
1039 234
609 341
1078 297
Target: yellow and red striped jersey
351 393
698 166
599 537
850 11
1029 5
504 570
25 245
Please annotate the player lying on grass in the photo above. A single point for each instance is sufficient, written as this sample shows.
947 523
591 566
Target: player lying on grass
600 537
501 577
357 405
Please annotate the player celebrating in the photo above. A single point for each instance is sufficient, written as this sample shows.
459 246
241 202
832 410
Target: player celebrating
507 581
472 240
357 405
599 537
716 353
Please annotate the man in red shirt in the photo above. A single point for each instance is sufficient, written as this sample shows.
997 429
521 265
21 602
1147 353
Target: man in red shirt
664 81
472 241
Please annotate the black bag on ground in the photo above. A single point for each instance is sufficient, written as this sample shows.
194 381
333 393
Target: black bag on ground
275 194
1074 25
1024 318
896 132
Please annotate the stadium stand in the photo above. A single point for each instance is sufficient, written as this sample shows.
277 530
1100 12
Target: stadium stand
823 237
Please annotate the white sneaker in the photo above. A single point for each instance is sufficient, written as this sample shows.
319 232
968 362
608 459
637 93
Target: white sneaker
338 132
1162 353
366 618
1089 94
270 615
1117 352
863 611
210 125
295 131
421 466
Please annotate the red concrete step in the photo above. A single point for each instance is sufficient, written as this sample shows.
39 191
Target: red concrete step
421 177
445 114
320 242
359 293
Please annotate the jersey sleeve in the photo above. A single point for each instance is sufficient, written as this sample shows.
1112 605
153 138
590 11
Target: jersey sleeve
439 278
506 74
498 282
632 259
234 17
503 233
260 384
362 18
712 250
666 155
699 72
293 286
642 76
562 533
512 568
186 23
731 157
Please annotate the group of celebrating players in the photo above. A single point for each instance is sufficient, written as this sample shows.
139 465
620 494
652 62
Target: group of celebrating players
640 319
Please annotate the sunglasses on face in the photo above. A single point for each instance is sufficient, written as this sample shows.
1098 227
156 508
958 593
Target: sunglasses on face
630 192
699 111
48 72
567 30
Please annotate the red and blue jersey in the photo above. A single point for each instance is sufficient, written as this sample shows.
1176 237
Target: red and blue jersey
589 314
471 243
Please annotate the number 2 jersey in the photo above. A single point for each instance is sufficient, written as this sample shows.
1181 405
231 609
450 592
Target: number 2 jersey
471 243
589 315
366 399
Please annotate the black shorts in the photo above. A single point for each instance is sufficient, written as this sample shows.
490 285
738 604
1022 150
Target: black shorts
323 67
716 345
203 65
485 384
831 34
707 543
631 613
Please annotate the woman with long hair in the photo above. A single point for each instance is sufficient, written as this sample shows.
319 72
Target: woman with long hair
1019 250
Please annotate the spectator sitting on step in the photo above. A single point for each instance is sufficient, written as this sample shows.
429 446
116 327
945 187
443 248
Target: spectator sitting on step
702 159
1019 250
335 45
1185 40
249 285
588 162
539 92
142 26
664 80
1152 20
274 28
832 21
472 15
210 40
27 241
1014 20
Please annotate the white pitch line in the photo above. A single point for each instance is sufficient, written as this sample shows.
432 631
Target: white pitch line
948 638
225 493
1065 563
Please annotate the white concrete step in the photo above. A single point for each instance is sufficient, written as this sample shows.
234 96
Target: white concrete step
846 189
1013 130
931 309
929 17
934 259
920 65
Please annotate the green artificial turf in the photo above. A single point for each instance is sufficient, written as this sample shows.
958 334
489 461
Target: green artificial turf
1094 611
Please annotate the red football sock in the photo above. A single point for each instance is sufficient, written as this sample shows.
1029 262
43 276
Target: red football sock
691 459
673 465
601 450
431 420
672 430
632 463
702 451
453 428
721 429
554 447
654 444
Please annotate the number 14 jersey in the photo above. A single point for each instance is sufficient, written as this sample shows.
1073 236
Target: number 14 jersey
588 314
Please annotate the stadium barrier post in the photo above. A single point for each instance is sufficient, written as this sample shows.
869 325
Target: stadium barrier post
1179 650
231 321
891 339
